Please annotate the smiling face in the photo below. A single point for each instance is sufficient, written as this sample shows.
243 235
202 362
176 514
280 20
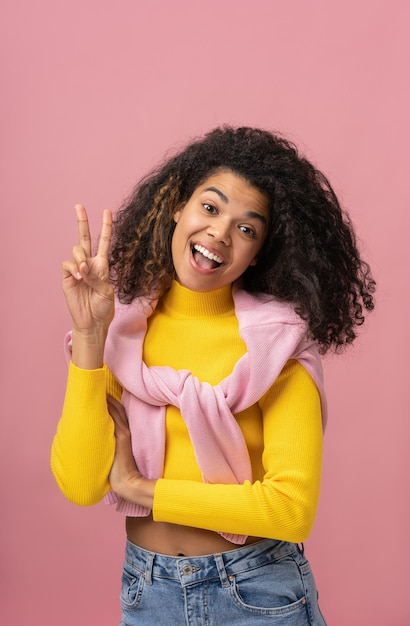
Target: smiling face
219 232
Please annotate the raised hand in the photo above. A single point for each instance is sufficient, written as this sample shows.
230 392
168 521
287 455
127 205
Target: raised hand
88 292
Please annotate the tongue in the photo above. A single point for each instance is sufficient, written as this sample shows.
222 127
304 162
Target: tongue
204 262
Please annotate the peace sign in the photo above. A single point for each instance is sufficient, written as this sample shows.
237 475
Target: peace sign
88 293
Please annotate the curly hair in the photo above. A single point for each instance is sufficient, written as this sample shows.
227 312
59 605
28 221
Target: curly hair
309 258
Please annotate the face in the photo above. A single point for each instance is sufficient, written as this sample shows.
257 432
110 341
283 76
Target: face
219 232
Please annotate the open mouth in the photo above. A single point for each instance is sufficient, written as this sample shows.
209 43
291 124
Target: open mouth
206 259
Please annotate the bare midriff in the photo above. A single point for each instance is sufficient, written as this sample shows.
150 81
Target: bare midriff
174 540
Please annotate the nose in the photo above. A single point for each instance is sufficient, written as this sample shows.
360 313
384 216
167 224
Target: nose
220 231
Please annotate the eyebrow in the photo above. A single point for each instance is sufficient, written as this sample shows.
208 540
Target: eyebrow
225 199
219 193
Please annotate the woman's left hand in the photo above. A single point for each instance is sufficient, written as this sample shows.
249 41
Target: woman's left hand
124 470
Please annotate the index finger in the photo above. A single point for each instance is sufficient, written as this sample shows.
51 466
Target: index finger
104 240
84 237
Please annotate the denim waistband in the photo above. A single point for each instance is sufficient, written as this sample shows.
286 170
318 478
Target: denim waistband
190 570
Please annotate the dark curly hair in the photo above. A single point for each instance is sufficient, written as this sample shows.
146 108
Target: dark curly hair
309 258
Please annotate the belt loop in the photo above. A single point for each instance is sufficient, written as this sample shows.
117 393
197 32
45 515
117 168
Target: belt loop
301 549
149 567
221 570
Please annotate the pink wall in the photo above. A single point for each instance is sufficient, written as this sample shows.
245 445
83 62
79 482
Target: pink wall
93 93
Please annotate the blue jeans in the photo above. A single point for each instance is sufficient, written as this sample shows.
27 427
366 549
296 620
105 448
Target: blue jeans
268 582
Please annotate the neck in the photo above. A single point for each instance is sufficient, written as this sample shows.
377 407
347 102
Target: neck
184 302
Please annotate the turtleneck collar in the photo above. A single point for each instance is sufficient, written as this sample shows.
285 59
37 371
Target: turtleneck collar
182 302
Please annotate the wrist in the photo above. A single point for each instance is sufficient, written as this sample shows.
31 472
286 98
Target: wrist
88 347
91 335
138 490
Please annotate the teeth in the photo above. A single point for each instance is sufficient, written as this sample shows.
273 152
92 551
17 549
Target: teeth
209 255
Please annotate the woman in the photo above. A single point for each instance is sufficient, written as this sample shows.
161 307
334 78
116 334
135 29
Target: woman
195 399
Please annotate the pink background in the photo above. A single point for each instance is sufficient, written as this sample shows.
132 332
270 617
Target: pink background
93 93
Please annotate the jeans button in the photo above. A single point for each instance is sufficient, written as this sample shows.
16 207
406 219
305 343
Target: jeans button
187 570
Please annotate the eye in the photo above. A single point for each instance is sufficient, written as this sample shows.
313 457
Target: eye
209 208
247 230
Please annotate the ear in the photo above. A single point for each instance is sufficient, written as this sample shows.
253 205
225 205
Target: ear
178 212
253 262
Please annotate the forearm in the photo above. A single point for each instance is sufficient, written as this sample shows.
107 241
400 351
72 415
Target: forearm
262 509
84 445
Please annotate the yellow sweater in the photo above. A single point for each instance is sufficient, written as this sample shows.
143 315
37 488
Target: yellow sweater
199 332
